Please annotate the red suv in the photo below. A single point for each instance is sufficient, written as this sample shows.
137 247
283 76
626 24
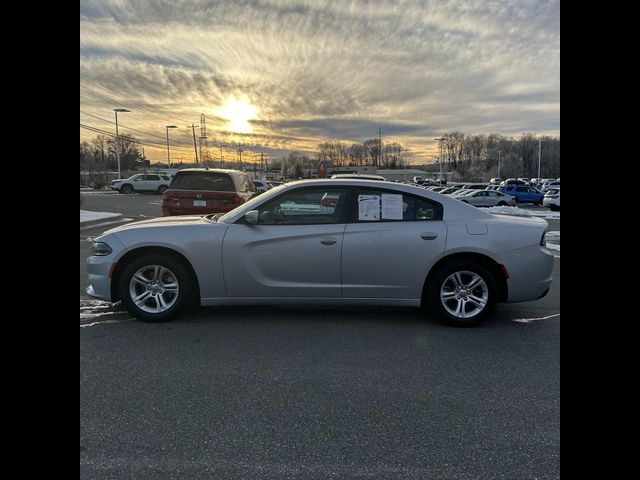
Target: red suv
199 191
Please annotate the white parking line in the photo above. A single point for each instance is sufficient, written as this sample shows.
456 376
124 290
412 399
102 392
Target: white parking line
106 321
529 320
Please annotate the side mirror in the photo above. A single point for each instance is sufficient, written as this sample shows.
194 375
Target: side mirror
252 217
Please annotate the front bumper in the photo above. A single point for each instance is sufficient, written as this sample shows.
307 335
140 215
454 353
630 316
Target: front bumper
99 282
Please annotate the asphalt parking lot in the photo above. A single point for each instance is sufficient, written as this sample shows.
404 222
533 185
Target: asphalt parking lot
293 392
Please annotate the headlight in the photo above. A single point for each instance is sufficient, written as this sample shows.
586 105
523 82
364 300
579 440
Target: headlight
100 249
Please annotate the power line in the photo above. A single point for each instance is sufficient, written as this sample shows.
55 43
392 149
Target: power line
132 140
121 125
132 101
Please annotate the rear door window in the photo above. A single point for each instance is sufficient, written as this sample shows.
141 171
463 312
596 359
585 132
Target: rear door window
373 205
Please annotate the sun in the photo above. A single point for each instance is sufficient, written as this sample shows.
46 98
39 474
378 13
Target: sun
239 112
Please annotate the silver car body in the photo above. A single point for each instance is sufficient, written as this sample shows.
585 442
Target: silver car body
348 263
487 198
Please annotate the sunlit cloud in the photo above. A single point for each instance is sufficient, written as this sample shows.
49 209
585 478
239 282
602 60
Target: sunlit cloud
315 71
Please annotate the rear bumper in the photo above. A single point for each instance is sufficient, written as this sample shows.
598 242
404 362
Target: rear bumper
530 272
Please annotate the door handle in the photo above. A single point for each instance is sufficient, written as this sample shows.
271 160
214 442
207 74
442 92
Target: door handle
429 235
328 241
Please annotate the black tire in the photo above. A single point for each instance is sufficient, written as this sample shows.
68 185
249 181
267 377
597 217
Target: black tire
502 203
162 189
126 188
441 281
175 273
540 201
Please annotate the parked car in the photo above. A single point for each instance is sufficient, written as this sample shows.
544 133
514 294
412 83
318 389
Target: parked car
487 198
552 199
358 176
377 243
273 183
475 186
449 190
512 181
462 191
551 185
495 181
199 191
142 182
261 186
523 193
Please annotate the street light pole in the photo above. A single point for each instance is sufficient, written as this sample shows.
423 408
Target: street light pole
118 137
440 160
168 158
539 157
499 152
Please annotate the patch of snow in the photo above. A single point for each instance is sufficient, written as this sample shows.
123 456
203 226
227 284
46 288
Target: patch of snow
86 215
552 246
524 212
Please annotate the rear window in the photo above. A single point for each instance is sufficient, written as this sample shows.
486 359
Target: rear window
216 181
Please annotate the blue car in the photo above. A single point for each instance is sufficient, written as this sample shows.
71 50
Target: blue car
523 193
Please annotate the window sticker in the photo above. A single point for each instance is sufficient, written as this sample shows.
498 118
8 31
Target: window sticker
369 207
391 207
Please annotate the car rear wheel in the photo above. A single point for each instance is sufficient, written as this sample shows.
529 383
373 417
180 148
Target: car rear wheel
154 287
162 189
126 188
463 293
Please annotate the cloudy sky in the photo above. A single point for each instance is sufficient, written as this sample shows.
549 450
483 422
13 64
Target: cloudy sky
284 75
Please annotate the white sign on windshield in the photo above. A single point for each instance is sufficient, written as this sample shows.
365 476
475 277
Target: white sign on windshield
369 207
391 206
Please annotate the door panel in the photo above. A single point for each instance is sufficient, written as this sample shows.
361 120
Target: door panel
390 259
282 260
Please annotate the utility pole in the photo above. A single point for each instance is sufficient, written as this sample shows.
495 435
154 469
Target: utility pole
118 137
240 154
262 169
379 146
221 158
195 147
499 152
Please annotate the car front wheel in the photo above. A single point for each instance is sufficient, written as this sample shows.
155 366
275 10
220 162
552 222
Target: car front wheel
463 293
154 287
127 189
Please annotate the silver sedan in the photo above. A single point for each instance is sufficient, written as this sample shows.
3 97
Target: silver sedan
327 242
487 198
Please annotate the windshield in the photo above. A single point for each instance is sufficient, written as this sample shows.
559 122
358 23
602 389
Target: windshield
248 206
